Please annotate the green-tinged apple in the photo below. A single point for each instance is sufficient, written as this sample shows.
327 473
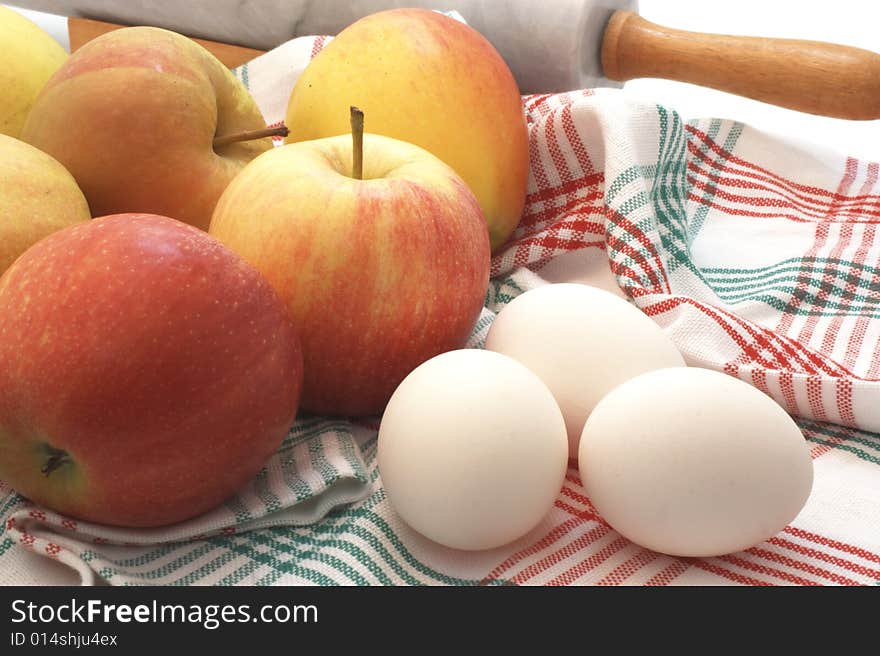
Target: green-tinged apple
37 197
379 273
28 58
147 120
146 371
430 80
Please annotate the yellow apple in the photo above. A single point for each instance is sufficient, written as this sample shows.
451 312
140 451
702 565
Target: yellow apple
28 57
428 79
37 197
134 114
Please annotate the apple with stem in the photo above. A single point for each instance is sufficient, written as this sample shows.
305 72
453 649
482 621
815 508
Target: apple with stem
432 81
146 371
147 120
379 250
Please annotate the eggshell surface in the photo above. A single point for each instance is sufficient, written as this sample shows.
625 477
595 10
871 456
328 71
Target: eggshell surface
472 450
692 462
582 342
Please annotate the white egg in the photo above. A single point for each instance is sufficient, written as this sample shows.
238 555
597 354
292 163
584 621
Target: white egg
692 462
472 449
582 342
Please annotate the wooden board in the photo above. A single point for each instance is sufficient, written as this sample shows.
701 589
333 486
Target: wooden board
82 30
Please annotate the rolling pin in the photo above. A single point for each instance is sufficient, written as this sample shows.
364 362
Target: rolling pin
551 46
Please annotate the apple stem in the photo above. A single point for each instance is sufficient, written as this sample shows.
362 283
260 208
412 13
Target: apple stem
57 458
225 140
357 143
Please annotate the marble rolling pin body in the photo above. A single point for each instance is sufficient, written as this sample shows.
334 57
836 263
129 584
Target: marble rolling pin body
551 46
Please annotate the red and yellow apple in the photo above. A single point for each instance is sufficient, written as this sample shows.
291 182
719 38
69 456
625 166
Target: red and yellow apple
37 197
133 115
146 371
427 79
380 273
28 58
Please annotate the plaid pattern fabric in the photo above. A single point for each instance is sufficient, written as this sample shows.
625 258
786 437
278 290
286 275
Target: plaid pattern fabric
759 258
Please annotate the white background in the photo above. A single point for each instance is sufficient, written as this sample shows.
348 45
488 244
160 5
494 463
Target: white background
850 22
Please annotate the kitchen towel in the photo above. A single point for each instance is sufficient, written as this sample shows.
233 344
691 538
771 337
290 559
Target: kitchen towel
758 257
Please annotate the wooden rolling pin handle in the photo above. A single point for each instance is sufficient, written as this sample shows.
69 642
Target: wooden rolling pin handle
809 76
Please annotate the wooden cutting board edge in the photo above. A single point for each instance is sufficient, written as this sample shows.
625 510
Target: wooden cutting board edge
83 30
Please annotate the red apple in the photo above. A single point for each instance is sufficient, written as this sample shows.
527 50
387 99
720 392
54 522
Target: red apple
142 118
146 371
380 273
